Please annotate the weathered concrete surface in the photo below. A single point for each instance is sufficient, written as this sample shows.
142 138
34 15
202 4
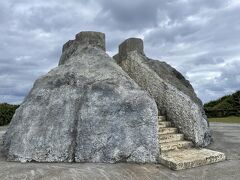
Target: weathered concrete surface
173 94
190 158
227 140
85 110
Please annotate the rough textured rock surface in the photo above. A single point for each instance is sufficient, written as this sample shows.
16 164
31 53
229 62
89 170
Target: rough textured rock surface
173 94
85 110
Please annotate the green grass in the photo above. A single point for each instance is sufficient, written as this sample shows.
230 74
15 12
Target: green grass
230 119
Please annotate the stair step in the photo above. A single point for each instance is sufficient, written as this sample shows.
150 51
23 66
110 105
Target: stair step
161 118
175 145
167 130
163 138
189 158
165 124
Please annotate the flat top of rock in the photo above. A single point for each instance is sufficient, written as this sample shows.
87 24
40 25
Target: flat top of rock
84 39
92 38
131 44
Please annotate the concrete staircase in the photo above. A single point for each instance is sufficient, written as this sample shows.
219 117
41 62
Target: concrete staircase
177 153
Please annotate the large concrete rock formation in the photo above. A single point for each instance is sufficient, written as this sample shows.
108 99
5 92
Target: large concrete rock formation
85 110
173 94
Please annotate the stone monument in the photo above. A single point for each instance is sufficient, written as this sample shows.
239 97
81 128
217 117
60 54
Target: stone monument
183 124
85 110
92 108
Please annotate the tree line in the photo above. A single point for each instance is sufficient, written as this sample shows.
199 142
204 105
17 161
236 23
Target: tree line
226 106
6 113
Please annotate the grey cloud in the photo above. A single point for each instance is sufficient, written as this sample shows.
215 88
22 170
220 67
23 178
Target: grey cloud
143 14
207 59
212 87
179 10
126 15
199 48
171 33
195 36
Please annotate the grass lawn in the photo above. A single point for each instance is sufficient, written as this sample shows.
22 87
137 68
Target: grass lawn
230 119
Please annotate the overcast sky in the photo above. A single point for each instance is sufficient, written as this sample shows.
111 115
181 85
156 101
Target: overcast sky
200 38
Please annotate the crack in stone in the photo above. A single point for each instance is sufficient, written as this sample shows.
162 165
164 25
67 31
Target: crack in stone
78 105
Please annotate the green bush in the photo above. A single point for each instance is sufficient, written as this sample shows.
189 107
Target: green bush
226 106
6 113
225 102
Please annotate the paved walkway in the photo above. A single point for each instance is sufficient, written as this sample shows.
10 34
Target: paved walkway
226 136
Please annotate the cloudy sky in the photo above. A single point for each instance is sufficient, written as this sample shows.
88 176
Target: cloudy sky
201 38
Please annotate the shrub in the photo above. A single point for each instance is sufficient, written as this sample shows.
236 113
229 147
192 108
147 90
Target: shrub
6 113
226 106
